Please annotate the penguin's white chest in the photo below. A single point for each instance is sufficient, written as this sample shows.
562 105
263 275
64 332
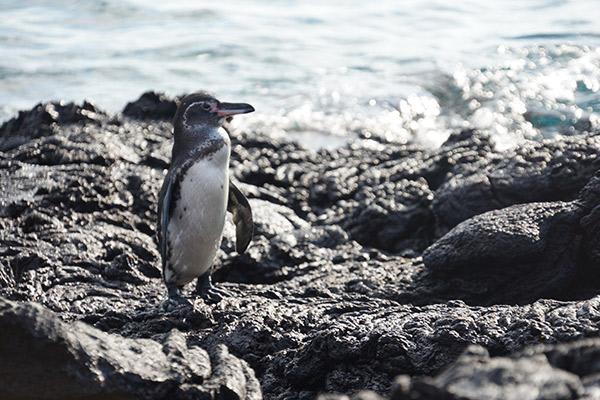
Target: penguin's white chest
196 225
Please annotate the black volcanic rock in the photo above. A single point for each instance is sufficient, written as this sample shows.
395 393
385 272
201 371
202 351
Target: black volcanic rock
551 170
44 358
515 254
475 375
391 216
565 371
44 120
151 105
369 262
526 251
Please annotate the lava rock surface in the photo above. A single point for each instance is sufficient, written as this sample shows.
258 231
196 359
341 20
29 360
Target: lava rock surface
377 269
78 361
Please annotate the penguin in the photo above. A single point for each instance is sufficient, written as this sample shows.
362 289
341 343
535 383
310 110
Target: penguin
196 194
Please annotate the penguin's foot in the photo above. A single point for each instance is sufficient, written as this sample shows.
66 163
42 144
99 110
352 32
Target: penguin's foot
209 292
175 299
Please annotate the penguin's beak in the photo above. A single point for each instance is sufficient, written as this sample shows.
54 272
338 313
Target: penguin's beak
228 109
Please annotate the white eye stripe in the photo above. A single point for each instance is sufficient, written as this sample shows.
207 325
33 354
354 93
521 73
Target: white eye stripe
206 105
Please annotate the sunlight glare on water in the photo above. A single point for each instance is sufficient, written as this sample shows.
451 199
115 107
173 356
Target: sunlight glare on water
320 71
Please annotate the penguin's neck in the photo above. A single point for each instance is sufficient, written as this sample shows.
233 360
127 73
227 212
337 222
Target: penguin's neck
200 141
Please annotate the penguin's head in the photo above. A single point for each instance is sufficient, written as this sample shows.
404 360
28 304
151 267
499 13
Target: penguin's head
202 109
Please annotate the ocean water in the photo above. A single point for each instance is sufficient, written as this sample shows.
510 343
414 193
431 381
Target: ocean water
320 71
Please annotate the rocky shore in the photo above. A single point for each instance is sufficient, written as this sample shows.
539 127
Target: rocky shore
377 269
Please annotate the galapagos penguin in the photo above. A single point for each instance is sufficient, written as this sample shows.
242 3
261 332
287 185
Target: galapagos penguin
196 194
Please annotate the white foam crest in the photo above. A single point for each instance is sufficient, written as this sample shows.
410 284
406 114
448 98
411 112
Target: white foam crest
412 119
532 93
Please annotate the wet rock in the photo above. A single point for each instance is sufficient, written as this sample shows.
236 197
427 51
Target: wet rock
45 358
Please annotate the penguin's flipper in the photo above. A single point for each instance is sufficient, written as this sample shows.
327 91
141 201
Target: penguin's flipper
164 211
239 207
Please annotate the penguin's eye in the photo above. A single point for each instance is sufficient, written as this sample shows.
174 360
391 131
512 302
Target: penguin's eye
206 106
